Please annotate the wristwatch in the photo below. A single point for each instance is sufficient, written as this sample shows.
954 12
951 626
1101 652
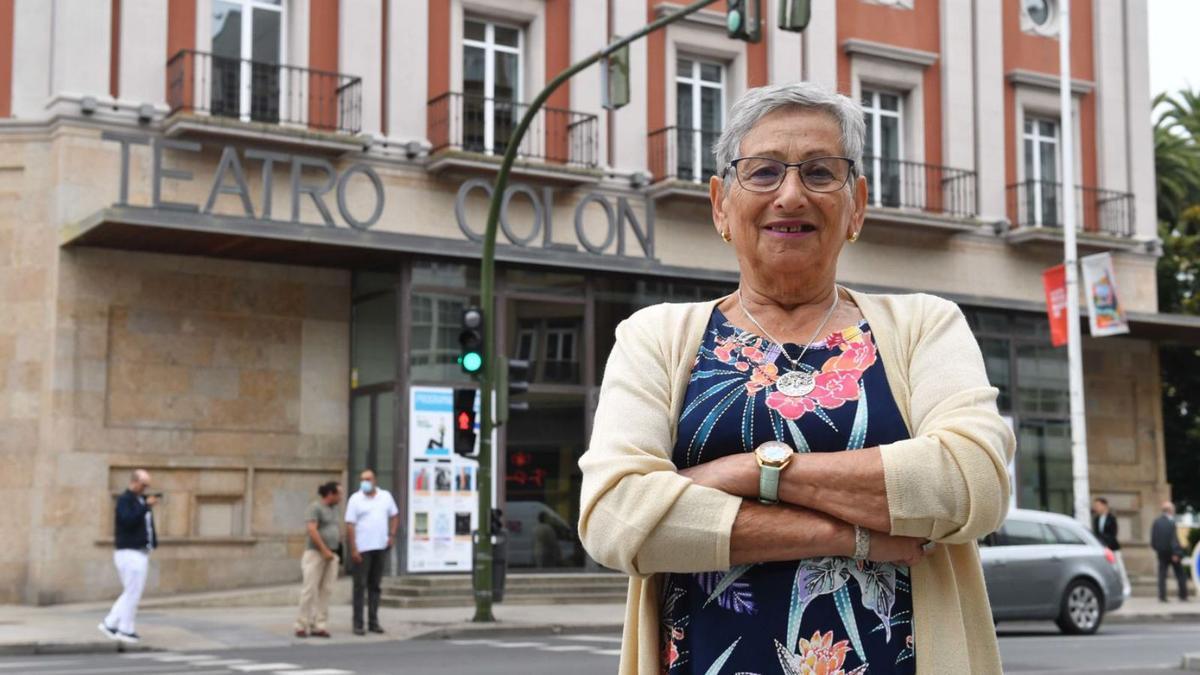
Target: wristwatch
772 457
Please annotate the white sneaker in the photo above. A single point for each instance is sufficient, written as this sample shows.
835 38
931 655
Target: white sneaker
129 638
111 633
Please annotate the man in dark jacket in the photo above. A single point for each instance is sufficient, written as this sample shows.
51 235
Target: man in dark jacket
134 536
1104 526
1164 539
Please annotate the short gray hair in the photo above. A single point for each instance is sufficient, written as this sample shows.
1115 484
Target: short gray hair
760 101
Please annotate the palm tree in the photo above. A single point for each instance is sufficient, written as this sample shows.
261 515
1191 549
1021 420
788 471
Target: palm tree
1177 153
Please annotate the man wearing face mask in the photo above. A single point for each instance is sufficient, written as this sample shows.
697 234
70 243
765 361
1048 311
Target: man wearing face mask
371 521
134 537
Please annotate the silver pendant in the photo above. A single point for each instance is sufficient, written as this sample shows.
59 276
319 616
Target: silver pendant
795 383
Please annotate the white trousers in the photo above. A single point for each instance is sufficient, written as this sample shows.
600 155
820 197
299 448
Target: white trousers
131 567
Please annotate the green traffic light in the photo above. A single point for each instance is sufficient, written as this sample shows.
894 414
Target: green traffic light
472 362
733 21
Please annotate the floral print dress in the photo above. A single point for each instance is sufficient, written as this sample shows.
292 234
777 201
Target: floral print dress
819 616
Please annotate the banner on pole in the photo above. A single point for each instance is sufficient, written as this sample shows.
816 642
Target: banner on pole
1055 282
1105 313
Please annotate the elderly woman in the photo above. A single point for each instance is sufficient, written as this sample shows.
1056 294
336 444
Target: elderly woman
794 476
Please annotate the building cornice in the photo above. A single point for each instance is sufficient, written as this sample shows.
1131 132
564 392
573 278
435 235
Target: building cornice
705 17
881 50
1029 78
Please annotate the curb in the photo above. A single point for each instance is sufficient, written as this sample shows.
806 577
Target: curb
107 647
1191 662
498 629
1163 617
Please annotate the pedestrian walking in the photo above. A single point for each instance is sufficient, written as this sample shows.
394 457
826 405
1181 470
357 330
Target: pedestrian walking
1104 526
772 468
319 564
1164 539
134 538
371 521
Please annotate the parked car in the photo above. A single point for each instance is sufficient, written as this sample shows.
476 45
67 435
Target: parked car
522 520
1042 565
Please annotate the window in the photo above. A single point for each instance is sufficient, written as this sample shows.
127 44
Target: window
1025 533
1064 535
883 150
491 85
436 320
247 48
1044 465
526 345
699 116
1041 171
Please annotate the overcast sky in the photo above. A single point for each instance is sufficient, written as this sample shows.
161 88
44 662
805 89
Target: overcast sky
1174 45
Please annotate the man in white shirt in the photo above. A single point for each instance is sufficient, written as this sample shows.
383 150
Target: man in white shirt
371 521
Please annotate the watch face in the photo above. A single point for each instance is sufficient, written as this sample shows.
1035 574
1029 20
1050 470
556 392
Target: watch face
774 451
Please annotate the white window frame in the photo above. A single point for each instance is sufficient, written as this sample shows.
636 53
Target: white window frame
1036 181
697 85
489 47
876 110
247 49
559 334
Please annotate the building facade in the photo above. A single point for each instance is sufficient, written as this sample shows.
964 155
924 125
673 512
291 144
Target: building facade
238 236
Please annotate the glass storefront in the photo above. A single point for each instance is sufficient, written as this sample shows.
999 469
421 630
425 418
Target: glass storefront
405 333
1032 378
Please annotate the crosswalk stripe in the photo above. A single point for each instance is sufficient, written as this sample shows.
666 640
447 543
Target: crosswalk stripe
177 658
590 638
470 642
221 662
519 645
24 664
256 667
607 652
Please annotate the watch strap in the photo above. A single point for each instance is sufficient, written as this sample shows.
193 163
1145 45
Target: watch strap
768 484
862 543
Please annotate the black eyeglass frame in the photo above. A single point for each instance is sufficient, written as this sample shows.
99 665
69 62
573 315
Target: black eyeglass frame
852 173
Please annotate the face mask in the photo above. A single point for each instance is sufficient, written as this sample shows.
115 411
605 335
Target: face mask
366 486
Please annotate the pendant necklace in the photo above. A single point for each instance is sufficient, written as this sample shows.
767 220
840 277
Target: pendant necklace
795 382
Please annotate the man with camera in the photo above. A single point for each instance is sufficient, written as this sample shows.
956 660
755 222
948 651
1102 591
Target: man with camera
134 538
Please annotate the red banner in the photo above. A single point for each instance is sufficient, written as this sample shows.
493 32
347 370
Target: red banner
1055 282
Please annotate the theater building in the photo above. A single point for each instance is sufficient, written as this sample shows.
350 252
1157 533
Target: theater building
238 235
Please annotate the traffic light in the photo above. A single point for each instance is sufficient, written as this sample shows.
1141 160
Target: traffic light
794 14
512 380
742 20
471 341
464 421
615 76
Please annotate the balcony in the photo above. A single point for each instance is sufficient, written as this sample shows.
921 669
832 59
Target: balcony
238 97
471 132
1105 217
681 162
920 189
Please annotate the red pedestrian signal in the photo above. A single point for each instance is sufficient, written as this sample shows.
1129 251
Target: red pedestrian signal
464 421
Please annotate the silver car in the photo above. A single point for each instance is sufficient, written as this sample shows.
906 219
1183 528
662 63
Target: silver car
1042 565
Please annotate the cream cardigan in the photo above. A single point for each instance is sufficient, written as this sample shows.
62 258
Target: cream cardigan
948 483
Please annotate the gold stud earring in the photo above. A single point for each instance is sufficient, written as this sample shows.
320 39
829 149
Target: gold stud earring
725 236
853 237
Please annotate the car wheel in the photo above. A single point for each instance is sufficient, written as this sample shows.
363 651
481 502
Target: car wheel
1082 609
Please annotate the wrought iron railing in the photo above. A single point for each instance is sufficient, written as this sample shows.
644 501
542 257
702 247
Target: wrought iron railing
678 153
899 184
1039 203
474 123
255 91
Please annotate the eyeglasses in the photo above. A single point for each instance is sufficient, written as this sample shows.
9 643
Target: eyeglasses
819 174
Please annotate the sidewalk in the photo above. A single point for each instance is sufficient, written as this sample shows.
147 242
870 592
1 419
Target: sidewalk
193 622
199 622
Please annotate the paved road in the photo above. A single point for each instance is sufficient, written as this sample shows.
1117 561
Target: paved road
1029 649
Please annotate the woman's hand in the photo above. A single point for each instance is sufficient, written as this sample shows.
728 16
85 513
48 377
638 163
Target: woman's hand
735 474
898 550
